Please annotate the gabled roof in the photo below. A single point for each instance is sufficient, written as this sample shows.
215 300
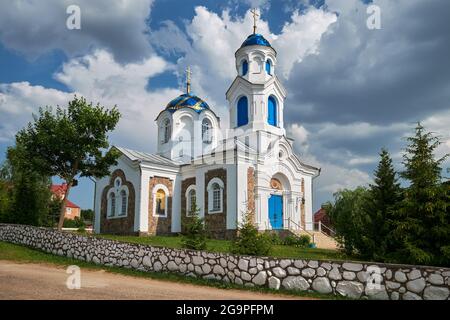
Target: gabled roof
137 156
70 204
319 215
59 189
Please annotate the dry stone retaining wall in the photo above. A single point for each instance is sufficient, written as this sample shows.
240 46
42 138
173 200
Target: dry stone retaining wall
340 278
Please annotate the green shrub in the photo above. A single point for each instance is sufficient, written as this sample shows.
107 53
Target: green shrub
250 241
274 238
195 236
290 240
75 223
302 241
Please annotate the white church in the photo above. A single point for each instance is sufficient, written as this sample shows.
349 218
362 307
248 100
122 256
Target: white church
251 169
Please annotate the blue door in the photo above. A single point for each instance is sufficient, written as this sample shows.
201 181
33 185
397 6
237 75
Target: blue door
276 211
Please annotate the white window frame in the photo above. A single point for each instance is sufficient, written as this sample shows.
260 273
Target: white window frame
207 135
166 191
166 131
118 201
188 199
211 195
110 214
124 190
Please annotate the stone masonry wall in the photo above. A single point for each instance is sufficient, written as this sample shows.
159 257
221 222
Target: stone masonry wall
160 225
216 223
350 279
118 225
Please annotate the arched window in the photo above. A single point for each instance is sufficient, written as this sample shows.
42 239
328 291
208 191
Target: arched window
206 131
167 132
215 196
217 201
269 67
242 112
244 67
272 111
112 205
124 206
192 198
160 203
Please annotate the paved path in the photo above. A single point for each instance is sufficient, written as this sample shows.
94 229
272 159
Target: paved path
42 281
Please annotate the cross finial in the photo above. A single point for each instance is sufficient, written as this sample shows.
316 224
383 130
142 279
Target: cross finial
255 15
188 80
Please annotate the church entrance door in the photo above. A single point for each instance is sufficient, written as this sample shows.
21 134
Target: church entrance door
276 211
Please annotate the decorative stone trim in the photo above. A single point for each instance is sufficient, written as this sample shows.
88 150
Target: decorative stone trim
302 206
392 281
117 224
185 219
216 224
251 192
160 225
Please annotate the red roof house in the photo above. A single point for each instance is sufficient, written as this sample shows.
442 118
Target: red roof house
72 210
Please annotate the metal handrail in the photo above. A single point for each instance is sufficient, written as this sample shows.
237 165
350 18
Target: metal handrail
321 225
301 228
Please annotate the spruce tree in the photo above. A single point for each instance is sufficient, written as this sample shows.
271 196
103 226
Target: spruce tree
385 195
424 226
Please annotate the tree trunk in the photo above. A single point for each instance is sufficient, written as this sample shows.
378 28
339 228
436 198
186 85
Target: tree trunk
62 212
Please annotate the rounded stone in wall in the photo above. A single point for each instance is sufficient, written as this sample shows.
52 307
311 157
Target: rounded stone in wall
435 293
416 285
274 283
351 289
411 296
436 279
348 275
400 276
260 278
279 272
295 283
322 285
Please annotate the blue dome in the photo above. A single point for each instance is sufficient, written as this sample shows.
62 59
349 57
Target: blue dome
187 101
256 39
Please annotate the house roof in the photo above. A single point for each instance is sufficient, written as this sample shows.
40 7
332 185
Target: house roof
319 215
58 189
147 157
70 204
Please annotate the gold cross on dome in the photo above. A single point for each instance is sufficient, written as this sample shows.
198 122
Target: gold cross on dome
255 16
188 80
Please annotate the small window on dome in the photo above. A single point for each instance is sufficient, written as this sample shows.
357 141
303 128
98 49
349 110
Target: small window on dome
206 131
166 131
244 67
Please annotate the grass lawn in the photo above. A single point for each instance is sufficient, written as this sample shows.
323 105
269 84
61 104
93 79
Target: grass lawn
279 251
23 254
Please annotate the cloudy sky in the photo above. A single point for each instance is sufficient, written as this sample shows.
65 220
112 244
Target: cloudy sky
351 89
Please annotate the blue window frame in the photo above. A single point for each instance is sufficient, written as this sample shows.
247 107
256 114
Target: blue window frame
242 112
269 67
272 111
244 67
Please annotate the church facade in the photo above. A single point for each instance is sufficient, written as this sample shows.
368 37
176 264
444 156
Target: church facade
251 169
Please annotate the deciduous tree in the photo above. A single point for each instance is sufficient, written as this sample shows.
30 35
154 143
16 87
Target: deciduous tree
71 142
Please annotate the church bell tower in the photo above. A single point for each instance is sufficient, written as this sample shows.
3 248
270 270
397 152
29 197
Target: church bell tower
256 96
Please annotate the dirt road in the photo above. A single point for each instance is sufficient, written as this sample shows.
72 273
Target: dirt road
39 281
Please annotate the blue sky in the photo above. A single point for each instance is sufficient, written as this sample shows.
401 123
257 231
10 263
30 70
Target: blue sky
351 90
